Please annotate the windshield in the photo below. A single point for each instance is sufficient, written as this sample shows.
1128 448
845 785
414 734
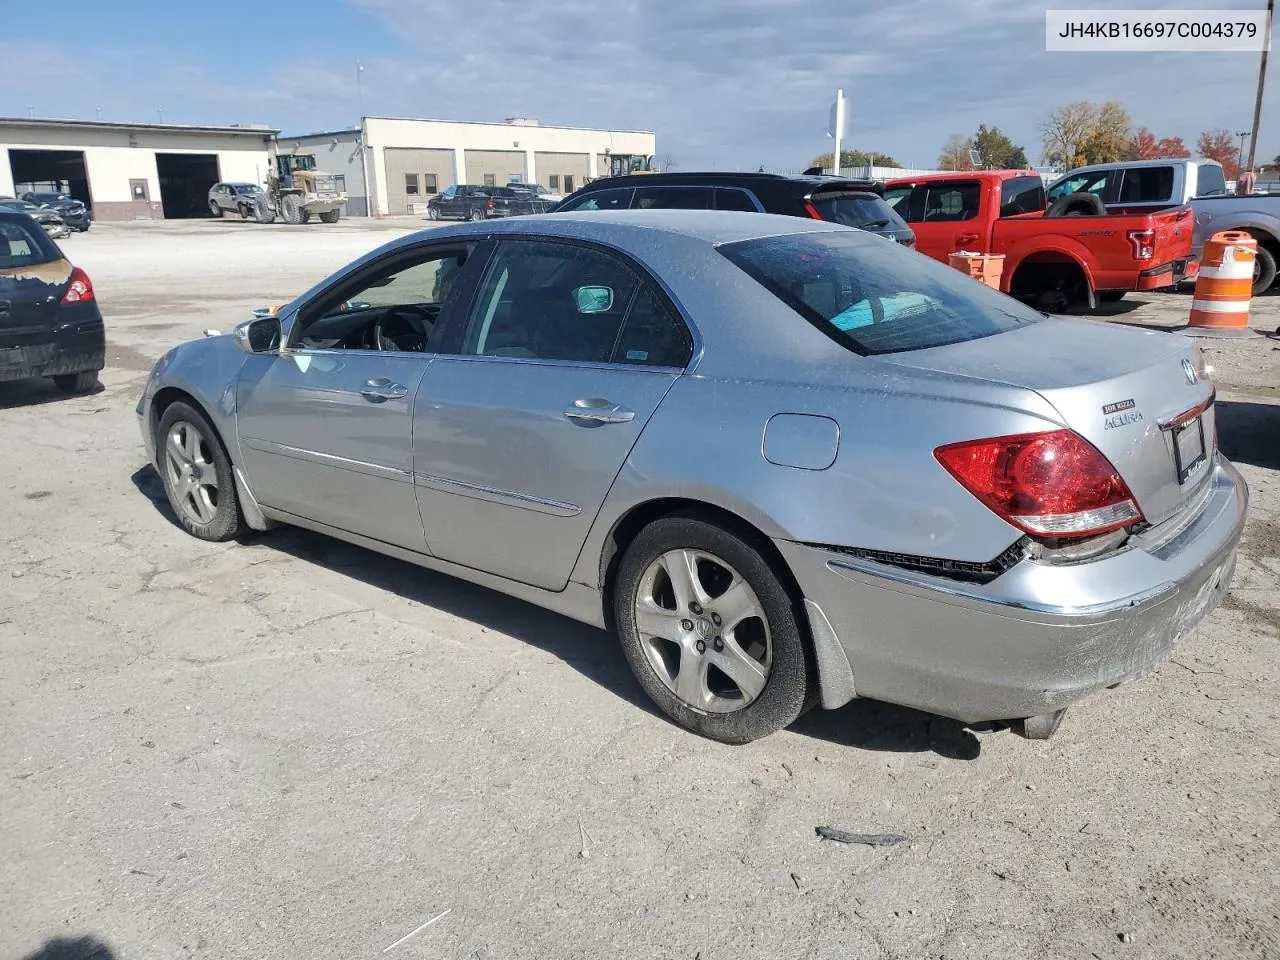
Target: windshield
874 297
48 197
246 188
858 210
24 245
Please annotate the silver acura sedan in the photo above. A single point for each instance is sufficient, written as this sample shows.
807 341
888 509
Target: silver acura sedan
785 461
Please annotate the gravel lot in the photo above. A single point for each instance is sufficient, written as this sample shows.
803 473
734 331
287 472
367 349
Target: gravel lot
295 748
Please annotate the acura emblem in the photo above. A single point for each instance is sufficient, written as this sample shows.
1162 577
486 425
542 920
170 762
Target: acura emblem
1189 371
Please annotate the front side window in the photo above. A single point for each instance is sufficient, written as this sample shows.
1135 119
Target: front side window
673 198
550 301
1211 182
1101 182
874 297
396 309
599 200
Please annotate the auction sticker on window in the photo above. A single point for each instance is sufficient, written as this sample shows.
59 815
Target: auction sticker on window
1156 30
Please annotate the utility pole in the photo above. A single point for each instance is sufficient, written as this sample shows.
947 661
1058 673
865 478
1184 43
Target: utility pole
360 88
1262 79
1240 159
837 130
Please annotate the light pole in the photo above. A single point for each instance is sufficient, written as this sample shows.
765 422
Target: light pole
360 88
1240 159
1262 79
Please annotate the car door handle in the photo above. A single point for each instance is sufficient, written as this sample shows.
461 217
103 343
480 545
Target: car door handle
599 410
380 388
967 238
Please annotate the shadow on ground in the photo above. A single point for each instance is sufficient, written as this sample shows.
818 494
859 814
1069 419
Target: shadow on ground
863 724
1249 432
80 948
35 391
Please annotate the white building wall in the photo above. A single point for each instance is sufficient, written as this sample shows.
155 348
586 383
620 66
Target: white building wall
387 132
115 155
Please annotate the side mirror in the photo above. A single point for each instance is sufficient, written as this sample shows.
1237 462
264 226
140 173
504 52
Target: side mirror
593 299
259 336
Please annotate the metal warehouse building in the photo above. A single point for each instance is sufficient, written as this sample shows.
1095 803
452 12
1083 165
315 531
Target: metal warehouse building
130 171
392 166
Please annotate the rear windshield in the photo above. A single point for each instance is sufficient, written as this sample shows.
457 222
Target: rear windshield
24 244
857 210
875 297
1147 185
1211 182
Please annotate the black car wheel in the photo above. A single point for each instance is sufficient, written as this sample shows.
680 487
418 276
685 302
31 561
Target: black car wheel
477 214
83 382
214 209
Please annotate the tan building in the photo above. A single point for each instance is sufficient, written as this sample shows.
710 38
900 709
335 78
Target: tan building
393 166
130 171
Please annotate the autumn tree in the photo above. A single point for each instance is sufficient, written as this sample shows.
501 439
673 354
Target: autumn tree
955 153
1219 145
1081 133
996 151
1174 148
1144 145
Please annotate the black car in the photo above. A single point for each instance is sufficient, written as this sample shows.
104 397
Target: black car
74 213
855 203
50 325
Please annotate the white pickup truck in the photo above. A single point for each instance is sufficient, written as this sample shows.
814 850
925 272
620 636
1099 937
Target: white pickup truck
1145 185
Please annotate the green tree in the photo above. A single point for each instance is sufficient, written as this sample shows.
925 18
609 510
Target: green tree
856 158
998 152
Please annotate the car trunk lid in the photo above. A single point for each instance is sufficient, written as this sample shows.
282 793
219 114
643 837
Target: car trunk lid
1138 396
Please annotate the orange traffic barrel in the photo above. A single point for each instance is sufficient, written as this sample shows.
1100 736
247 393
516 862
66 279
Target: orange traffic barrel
1220 305
983 267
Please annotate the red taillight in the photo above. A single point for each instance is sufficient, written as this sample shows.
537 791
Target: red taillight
1144 244
79 288
490 203
811 210
1053 484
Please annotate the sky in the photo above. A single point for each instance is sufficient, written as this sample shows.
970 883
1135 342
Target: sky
724 85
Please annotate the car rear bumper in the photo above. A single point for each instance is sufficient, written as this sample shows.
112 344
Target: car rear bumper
50 351
1169 274
1040 636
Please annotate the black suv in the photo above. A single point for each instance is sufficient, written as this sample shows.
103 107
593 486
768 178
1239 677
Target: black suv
854 203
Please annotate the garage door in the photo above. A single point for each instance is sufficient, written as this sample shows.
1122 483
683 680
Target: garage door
414 174
562 172
494 167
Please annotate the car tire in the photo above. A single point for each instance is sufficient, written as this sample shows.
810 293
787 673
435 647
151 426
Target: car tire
291 209
1264 270
212 516
330 216
766 645
477 215
85 381
214 210
433 213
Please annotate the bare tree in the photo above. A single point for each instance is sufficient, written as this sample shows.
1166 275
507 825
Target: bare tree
1064 132
955 153
668 162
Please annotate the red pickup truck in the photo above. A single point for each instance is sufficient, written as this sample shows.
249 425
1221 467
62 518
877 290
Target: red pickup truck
1070 256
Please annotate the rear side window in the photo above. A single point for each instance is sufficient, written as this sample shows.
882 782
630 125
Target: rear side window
1210 181
1147 185
951 201
874 297
731 198
1021 195
673 198
599 200
653 334
857 210
24 244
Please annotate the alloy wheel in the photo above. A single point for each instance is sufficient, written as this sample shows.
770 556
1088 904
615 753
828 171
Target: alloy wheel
191 473
703 631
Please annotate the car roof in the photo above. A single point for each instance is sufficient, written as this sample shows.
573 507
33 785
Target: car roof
624 228
721 178
948 175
